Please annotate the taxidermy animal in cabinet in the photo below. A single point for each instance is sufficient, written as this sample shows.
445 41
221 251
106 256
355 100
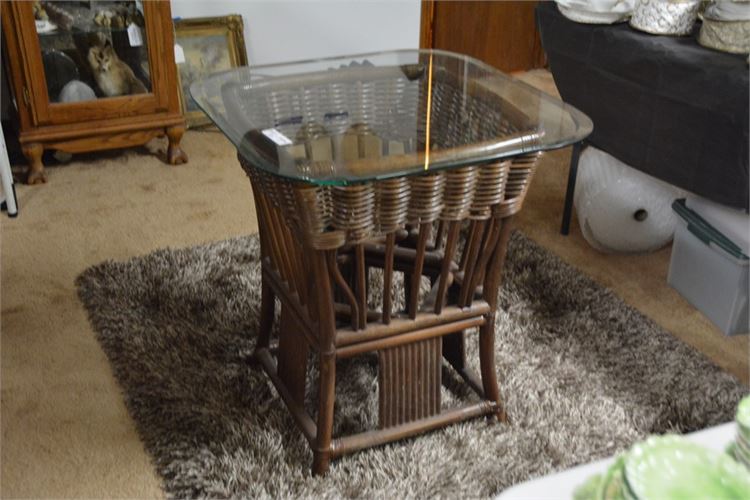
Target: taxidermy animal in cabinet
113 76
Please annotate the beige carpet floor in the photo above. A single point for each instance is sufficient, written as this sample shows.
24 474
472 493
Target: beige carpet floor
65 430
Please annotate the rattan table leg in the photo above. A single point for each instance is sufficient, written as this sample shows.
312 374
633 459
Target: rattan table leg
492 282
388 276
267 311
326 398
292 357
327 363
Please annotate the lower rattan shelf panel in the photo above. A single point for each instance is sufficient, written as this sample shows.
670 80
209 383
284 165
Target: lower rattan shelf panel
409 380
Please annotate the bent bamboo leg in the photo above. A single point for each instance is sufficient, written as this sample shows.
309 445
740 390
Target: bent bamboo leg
492 281
293 351
327 360
267 311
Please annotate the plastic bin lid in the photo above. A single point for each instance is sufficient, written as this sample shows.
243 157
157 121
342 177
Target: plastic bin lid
731 222
707 233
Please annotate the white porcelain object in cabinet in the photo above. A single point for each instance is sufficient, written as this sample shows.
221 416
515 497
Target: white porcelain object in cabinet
665 17
596 11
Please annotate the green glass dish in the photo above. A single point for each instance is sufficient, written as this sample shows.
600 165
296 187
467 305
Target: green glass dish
612 485
670 467
743 414
742 449
374 116
588 490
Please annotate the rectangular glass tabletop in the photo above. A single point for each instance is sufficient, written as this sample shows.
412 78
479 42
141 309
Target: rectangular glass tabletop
374 116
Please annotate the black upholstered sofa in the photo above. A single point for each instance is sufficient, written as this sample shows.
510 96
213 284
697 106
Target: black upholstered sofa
664 105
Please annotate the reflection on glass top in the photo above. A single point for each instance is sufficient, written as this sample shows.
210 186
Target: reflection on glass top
374 116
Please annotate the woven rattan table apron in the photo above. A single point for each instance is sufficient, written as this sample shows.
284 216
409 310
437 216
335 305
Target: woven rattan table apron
412 163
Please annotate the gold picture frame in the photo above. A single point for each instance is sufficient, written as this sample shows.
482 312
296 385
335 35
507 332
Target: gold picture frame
209 45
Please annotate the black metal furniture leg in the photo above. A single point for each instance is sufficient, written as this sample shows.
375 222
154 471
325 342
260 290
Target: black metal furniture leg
572 174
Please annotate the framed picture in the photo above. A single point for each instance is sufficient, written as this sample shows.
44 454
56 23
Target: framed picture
208 45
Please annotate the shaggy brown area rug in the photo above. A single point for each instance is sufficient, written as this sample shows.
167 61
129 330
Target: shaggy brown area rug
583 376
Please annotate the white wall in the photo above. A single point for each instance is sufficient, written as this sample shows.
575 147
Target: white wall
279 31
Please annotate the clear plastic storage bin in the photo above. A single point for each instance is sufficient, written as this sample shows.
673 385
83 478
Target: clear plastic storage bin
709 267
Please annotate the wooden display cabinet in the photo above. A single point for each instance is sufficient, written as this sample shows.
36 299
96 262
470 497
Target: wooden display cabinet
60 101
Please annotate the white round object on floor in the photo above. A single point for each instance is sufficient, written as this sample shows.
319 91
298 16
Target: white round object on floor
621 209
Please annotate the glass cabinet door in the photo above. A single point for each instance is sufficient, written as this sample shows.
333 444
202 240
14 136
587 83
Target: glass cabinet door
92 49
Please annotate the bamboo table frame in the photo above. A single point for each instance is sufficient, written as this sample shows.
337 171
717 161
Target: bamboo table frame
410 225
411 163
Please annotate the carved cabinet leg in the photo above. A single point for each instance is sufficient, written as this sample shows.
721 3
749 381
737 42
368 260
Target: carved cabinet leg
33 153
175 154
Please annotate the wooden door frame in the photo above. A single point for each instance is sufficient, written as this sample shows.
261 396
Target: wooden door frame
427 24
427 32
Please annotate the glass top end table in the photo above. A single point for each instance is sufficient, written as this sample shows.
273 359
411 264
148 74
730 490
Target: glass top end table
409 163
420 109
